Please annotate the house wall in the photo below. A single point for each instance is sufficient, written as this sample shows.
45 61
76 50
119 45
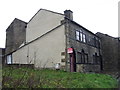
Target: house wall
41 23
2 58
43 52
15 35
110 52
71 28
119 59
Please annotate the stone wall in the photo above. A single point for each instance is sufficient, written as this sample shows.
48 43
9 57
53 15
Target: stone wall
119 59
15 35
110 53
89 48
2 59
88 68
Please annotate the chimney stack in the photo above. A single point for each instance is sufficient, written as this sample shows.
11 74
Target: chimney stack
68 14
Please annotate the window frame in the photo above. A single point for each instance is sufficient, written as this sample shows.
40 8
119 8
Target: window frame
82 36
9 59
82 59
96 59
77 33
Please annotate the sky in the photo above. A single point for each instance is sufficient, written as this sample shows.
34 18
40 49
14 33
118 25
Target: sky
95 15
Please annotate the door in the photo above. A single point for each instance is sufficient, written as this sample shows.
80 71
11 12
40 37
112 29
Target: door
72 62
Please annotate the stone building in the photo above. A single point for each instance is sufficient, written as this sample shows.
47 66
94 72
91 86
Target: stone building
48 37
86 48
2 58
119 58
15 36
110 47
52 38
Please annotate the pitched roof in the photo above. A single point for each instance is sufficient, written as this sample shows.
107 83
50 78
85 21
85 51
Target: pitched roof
16 19
47 11
81 26
65 17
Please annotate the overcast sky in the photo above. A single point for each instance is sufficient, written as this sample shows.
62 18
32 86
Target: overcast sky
95 15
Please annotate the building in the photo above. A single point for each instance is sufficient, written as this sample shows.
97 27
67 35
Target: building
2 58
52 38
86 48
15 36
110 53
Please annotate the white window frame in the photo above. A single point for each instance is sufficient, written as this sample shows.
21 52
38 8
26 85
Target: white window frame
9 59
81 35
77 35
84 38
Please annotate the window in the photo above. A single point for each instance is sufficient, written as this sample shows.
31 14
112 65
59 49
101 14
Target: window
92 41
82 58
84 38
9 59
96 42
79 56
80 36
96 59
86 58
77 35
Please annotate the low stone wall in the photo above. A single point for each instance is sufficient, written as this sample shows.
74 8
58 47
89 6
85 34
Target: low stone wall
88 68
20 65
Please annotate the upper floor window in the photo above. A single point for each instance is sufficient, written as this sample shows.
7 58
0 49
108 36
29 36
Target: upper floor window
96 42
80 36
84 38
77 35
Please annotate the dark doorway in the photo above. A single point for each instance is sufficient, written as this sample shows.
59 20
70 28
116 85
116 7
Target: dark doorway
73 61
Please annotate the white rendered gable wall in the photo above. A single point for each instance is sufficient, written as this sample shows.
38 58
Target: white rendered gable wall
41 23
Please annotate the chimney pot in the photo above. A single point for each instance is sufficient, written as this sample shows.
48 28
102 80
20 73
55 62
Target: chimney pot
68 14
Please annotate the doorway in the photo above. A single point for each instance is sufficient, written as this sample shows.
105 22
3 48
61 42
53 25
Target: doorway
73 61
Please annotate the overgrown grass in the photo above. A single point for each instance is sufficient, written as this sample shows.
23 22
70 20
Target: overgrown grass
31 78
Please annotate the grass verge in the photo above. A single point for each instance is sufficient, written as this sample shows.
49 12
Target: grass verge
31 78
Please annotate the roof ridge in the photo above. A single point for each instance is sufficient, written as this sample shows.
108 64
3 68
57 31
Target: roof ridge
51 11
20 20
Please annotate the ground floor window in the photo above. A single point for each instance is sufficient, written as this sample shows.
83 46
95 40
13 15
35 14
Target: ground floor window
9 59
82 57
96 59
